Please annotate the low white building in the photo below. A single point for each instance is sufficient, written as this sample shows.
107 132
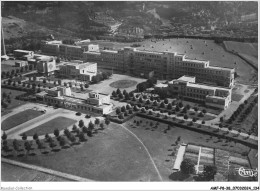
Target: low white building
61 97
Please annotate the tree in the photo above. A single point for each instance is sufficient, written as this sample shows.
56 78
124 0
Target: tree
180 104
185 117
162 105
123 109
187 166
90 126
209 172
24 137
194 119
84 129
4 136
35 136
204 111
121 96
203 122
56 132
188 107
166 101
107 121
114 94
101 126
195 109
141 100
120 116
44 81
81 123
169 106
221 119
27 146
97 121
118 91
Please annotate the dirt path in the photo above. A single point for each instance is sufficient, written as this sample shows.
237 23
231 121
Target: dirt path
159 175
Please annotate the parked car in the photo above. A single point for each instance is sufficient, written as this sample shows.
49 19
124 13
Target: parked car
88 116
78 114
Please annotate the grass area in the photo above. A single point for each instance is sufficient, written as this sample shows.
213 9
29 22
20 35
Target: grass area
240 47
160 141
48 127
236 97
14 103
19 118
123 84
111 155
246 125
6 68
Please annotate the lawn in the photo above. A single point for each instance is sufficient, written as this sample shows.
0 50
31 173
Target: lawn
48 127
6 67
14 102
240 47
236 97
161 144
111 155
123 84
19 118
104 86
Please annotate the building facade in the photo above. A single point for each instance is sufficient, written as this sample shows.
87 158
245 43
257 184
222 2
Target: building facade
187 88
78 69
46 65
21 53
51 47
163 65
61 97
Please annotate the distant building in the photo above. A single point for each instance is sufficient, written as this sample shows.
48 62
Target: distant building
78 69
71 51
21 53
46 65
187 88
61 97
21 63
51 47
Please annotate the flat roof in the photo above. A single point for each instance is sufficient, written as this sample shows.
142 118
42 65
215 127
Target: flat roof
187 78
92 52
161 85
220 68
110 51
18 50
204 86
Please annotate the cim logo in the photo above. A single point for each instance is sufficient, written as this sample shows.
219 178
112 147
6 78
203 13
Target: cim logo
247 172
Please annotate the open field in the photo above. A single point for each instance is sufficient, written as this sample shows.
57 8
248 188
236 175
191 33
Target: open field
242 47
111 155
13 173
48 127
160 143
19 118
14 102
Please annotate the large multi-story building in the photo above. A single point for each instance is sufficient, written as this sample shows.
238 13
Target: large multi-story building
78 69
70 51
51 47
61 97
46 65
187 88
163 65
